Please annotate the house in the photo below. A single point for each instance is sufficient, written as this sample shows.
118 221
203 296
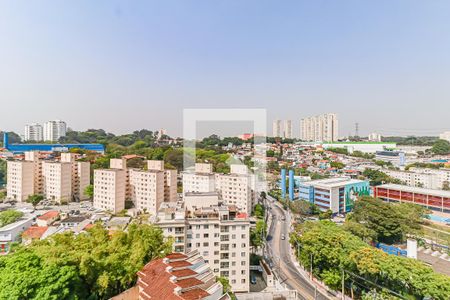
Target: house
47 219
72 221
33 233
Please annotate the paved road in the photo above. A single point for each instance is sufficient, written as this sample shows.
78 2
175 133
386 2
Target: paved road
278 251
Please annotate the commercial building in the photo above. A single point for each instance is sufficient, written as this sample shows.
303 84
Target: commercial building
433 199
321 128
287 134
33 132
54 130
276 128
11 232
397 158
22 148
364 147
62 181
445 136
423 177
337 194
146 189
220 232
179 276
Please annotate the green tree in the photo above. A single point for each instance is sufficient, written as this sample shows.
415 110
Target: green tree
258 234
441 147
89 191
9 216
2 195
446 186
96 265
258 211
35 199
337 165
326 215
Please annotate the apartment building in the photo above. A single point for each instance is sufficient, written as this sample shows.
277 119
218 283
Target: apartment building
287 134
61 181
202 180
170 179
20 178
236 188
219 232
110 189
57 181
33 132
146 189
321 128
54 130
423 177
276 128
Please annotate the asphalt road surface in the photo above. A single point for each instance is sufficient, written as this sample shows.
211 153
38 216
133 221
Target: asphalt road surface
278 252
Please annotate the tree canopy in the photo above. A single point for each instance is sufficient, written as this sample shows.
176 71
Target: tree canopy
9 216
334 249
385 222
441 147
93 265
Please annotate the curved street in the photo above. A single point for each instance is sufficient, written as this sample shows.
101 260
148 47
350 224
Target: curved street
278 254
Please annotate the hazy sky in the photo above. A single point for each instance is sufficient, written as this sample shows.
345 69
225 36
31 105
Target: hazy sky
125 65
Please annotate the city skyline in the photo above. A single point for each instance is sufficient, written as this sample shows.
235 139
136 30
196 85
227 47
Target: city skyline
127 66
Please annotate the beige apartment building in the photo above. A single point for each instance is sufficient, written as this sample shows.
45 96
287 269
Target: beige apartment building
20 178
110 189
61 181
57 181
236 188
219 232
146 189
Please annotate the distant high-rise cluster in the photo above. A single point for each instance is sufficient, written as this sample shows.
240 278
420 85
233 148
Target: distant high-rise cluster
51 131
282 128
321 128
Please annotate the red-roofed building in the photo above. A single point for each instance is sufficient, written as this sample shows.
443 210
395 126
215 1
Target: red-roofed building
178 277
33 233
48 218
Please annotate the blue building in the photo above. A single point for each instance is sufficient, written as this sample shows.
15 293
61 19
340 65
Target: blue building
337 194
21 148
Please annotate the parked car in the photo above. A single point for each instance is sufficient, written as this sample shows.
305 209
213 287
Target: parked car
253 279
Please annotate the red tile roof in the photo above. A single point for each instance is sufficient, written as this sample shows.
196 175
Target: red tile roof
155 280
34 232
49 215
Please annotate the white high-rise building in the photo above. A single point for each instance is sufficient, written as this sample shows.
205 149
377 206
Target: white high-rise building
200 181
445 136
321 128
53 130
219 232
374 137
33 132
288 129
276 128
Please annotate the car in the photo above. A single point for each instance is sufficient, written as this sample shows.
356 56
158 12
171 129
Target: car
283 237
253 279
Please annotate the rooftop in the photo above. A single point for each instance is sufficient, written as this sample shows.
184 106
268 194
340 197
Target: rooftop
411 189
35 232
49 215
332 182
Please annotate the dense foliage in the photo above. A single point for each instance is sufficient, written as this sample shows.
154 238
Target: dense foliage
9 216
2 172
379 221
411 140
441 147
377 177
334 250
95 265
